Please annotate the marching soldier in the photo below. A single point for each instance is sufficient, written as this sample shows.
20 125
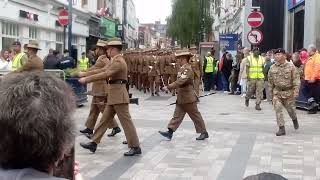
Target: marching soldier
139 70
99 93
166 69
186 99
154 74
172 70
284 87
144 74
196 65
118 99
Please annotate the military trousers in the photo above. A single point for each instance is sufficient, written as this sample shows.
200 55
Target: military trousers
122 111
255 87
288 104
192 110
166 79
154 83
97 106
144 81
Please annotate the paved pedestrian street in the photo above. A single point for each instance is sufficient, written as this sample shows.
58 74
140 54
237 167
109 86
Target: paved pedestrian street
242 142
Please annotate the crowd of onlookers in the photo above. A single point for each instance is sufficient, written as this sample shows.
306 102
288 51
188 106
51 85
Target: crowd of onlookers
230 73
53 60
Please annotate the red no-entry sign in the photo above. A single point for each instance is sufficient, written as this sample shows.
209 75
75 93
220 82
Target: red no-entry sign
63 17
255 19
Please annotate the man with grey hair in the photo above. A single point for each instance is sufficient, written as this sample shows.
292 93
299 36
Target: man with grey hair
312 79
36 129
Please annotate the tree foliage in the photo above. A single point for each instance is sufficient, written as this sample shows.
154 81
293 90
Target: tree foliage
184 24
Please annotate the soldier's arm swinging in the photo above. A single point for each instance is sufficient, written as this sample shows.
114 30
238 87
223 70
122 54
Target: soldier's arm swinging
109 71
295 82
270 83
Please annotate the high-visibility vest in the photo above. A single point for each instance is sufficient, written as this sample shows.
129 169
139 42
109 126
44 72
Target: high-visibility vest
210 67
83 64
16 63
256 67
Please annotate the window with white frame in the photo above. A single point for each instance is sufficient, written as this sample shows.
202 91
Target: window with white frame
59 42
33 32
74 40
9 33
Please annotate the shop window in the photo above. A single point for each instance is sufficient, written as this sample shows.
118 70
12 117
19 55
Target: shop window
33 33
59 47
7 42
59 37
74 40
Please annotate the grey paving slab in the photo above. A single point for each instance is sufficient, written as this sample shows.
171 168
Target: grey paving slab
230 125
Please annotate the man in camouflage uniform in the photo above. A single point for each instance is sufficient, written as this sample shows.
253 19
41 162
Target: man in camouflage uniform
284 87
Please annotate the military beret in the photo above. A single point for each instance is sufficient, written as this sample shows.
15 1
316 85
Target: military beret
280 50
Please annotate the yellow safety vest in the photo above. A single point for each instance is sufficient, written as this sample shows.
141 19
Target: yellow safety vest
210 67
16 63
83 64
256 67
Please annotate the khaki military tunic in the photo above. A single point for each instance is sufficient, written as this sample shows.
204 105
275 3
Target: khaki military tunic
31 63
186 100
154 74
284 87
99 93
118 101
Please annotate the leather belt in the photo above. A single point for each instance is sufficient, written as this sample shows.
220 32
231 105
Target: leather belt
185 85
284 88
117 81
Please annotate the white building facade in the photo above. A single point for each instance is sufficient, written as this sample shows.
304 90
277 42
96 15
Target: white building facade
36 20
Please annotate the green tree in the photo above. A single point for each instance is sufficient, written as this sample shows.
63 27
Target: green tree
184 24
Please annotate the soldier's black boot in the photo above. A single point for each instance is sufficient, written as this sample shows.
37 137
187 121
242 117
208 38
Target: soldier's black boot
157 93
86 131
91 146
258 108
203 136
133 151
295 124
247 102
281 132
114 131
152 94
168 134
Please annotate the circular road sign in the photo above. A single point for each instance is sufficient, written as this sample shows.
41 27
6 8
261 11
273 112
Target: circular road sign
255 19
255 37
63 17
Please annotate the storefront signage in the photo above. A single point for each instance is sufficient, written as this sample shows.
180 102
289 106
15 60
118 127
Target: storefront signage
28 15
108 27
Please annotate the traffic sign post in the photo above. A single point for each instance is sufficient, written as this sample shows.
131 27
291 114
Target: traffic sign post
255 19
63 18
255 37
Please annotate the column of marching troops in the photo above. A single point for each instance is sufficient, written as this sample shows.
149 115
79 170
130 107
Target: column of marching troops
151 70
176 71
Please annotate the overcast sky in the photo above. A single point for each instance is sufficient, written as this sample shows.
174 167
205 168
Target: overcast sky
149 11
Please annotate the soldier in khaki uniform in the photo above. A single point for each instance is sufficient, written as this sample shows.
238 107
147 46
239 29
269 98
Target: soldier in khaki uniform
33 62
118 99
154 74
139 69
284 87
145 71
196 65
99 93
166 69
172 70
186 99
